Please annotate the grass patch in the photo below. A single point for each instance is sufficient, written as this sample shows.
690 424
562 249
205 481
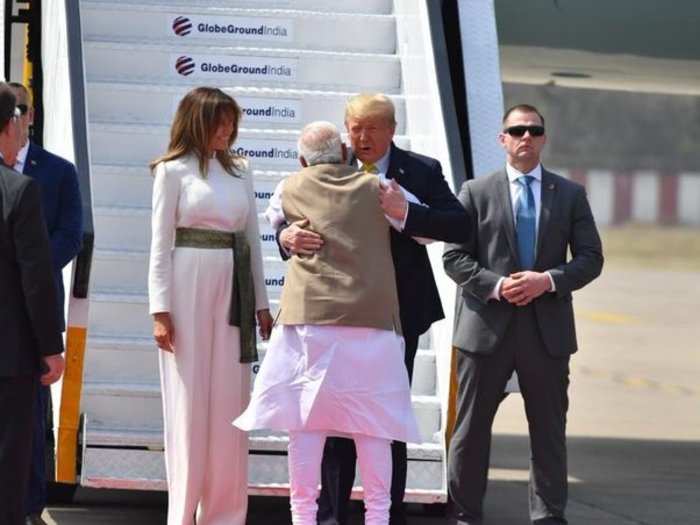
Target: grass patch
658 247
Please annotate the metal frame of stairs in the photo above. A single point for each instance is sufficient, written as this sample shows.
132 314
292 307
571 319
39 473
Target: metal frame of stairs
127 74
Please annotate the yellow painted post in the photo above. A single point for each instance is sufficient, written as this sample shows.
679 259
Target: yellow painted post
66 456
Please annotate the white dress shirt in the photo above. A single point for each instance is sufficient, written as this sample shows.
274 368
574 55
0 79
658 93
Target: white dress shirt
21 158
515 189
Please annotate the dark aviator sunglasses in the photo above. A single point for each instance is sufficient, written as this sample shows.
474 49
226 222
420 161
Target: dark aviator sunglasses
23 108
519 131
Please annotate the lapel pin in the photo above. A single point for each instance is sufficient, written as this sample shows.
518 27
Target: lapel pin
32 162
401 171
551 185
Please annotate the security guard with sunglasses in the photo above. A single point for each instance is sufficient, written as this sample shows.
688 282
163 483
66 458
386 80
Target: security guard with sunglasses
514 313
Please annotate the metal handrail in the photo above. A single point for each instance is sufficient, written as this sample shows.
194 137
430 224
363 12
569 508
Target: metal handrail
83 261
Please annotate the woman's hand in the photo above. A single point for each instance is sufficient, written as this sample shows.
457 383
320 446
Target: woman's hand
265 323
163 331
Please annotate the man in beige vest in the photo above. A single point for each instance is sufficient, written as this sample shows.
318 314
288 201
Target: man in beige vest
334 362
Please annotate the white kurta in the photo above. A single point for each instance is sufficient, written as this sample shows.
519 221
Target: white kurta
203 383
343 380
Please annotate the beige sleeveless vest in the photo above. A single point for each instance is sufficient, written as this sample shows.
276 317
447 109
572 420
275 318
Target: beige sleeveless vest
350 280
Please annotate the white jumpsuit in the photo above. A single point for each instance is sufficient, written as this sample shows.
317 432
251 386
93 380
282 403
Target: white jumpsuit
204 386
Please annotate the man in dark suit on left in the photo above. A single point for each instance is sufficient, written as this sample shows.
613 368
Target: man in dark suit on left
62 211
29 321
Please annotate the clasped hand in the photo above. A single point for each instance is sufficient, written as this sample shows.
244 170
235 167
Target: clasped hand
522 288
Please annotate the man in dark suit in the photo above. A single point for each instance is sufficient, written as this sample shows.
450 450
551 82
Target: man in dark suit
370 123
29 322
514 312
62 211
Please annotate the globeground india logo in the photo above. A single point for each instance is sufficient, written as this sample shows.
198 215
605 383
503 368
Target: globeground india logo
182 26
184 65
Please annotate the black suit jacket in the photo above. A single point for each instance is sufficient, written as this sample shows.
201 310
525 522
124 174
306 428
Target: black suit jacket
29 321
490 252
443 218
61 207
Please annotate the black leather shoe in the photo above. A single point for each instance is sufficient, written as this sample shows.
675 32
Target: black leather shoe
35 519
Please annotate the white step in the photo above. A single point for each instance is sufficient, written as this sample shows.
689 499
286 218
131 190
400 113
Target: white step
119 313
379 7
424 374
153 440
134 405
114 185
137 145
135 359
121 359
123 227
130 22
262 108
129 360
127 271
122 405
123 270
140 144
239 66
267 474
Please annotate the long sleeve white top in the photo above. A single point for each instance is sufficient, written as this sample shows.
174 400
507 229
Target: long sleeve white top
183 198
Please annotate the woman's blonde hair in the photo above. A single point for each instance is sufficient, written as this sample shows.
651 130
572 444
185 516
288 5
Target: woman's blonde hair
197 118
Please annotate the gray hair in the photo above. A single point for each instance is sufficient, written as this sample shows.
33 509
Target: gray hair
320 143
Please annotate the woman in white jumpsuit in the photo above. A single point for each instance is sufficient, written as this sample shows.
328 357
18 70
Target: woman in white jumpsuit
202 194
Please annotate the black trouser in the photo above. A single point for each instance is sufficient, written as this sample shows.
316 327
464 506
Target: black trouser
338 468
543 382
16 416
36 488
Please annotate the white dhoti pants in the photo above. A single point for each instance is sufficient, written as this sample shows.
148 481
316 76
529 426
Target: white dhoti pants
204 387
304 455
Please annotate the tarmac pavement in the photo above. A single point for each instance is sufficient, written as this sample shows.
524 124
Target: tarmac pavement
633 430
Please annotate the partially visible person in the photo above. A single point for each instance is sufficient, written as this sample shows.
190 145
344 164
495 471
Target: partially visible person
63 212
334 365
370 123
514 313
31 347
206 288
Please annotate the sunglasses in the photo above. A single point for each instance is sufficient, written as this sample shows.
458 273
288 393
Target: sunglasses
519 131
23 108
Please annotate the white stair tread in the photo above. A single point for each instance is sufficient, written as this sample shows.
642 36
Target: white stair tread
347 6
153 439
109 388
129 22
262 107
254 91
236 65
238 50
141 255
229 8
153 389
143 171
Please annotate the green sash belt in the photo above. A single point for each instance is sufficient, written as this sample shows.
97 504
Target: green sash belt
242 306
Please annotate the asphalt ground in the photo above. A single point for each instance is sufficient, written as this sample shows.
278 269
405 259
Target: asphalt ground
634 419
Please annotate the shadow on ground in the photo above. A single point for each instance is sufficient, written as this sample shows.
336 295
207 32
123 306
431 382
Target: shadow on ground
614 482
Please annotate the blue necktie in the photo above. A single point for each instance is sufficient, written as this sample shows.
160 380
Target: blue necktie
525 223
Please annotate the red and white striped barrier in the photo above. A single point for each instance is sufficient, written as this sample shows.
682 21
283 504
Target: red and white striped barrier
656 197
